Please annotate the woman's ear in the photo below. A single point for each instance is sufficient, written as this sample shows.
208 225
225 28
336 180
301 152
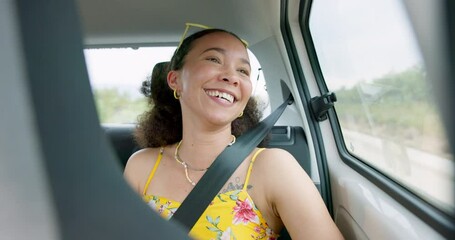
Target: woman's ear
172 77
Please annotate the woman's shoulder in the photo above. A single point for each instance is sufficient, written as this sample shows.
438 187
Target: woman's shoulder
276 163
143 157
276 156
144 153
139 165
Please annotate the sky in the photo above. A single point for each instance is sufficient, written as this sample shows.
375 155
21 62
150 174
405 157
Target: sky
123 68
350 50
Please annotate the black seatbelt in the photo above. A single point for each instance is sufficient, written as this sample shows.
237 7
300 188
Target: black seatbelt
222 168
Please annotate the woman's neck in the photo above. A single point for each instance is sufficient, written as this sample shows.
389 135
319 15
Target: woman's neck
199 148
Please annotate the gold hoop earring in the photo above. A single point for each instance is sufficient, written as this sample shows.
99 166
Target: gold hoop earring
241 114
176 96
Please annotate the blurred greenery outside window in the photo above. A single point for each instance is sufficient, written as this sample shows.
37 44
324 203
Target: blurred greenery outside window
116 75
389 119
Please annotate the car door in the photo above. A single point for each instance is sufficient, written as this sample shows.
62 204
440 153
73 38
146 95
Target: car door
389 162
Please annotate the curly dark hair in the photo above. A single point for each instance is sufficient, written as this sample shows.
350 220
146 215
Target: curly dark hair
162 124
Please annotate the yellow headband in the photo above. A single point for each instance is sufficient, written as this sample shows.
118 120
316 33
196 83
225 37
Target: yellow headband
188 25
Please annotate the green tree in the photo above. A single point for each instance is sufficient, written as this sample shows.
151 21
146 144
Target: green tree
118 107
397 106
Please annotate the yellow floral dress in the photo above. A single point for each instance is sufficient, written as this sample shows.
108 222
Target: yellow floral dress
230 215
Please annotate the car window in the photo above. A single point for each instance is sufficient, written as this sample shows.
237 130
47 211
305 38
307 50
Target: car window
386 107
116 75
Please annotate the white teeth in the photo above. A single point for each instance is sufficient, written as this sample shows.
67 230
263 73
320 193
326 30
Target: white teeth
228 97
223 95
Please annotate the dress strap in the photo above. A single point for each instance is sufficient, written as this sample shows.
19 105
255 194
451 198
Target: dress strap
152 173
247 179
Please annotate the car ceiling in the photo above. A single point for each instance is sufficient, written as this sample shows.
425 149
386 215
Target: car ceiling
157 22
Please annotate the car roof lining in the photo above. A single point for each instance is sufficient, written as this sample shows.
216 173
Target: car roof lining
104 22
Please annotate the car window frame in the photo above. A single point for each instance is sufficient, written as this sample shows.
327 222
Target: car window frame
303 89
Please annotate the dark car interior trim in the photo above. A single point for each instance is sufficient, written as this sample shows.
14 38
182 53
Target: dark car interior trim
88 191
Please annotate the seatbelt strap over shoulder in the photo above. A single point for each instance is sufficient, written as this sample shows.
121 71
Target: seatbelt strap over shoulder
222 168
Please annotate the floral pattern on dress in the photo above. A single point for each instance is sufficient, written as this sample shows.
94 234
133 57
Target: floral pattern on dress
230 216
263 232
227 234
244 212
166 208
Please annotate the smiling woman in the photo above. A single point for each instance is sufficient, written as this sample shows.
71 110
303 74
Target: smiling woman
209 75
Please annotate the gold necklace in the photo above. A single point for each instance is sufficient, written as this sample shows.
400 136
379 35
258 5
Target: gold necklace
186 166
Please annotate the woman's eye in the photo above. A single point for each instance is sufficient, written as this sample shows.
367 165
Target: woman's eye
244 72
212 59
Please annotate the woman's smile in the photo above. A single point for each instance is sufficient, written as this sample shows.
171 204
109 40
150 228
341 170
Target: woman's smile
221 95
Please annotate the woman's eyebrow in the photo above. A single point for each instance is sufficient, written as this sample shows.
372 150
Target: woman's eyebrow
223 51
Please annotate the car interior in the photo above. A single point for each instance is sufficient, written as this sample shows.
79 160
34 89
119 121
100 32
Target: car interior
61 173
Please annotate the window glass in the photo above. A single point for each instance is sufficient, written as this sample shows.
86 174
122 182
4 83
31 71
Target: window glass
370 58
116 75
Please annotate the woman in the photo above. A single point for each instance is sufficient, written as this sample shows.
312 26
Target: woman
209 74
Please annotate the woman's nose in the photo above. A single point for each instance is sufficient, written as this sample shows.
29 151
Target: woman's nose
229 76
